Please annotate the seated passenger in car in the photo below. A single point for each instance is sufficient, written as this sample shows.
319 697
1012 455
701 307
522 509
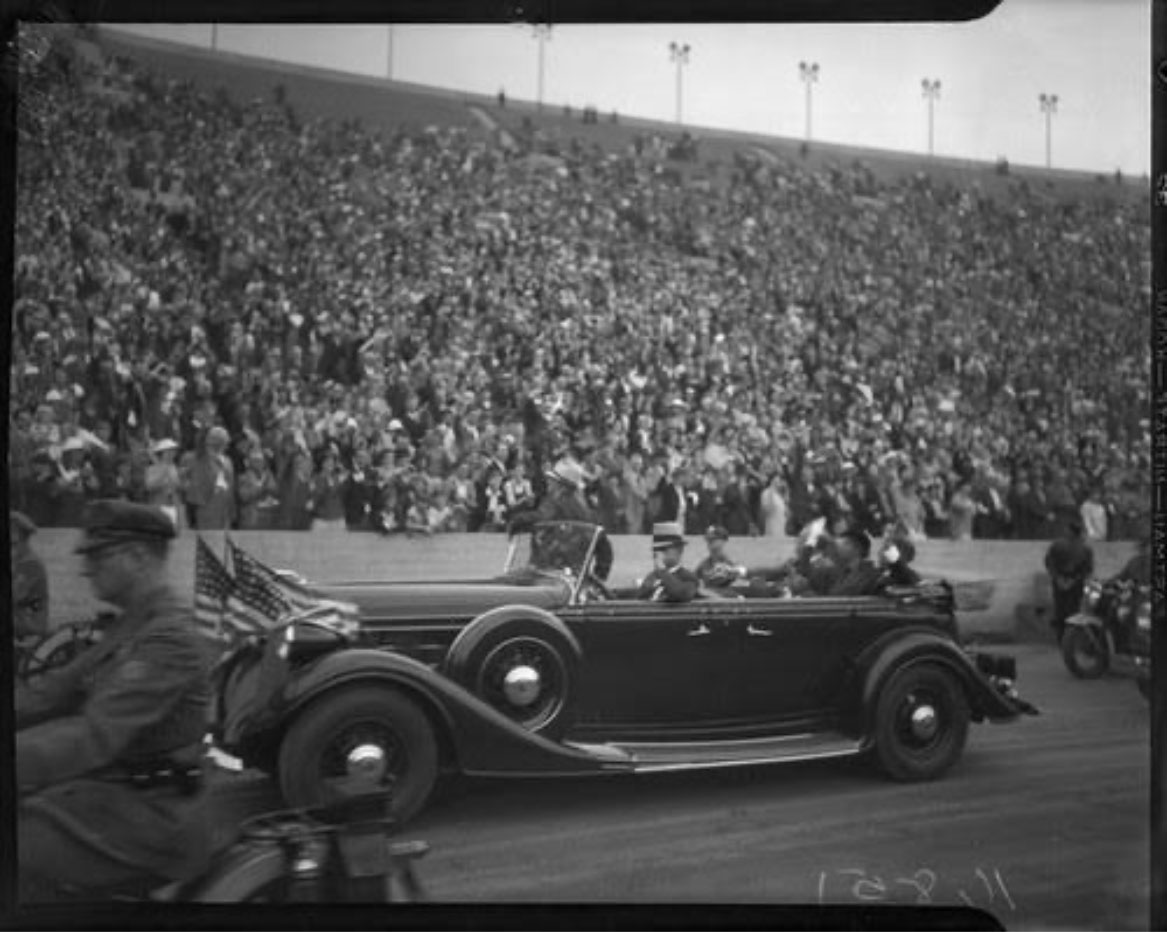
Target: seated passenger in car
669 581
856 574
717 570
895 556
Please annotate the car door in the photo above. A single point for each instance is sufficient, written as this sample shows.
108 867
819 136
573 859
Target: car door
651 664
783 653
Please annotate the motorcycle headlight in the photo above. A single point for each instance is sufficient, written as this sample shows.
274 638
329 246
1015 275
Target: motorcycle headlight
1143 618
1091 596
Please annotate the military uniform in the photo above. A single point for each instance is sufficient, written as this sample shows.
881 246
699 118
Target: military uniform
109 753
668 583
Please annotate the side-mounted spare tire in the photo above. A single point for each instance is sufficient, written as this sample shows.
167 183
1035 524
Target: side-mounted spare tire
921 722
522 662
357 740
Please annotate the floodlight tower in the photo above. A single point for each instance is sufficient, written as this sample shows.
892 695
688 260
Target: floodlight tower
542 34
1049 106
679 54
931 94
808 72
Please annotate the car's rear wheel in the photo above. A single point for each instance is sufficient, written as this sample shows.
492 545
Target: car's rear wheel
921 723
362 739
523 668
1086 653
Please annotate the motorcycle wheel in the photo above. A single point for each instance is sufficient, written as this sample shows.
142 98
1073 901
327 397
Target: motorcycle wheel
257 874
1086 653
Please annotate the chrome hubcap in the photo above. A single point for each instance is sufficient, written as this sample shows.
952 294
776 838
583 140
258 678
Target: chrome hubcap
522 685
366 762
924 722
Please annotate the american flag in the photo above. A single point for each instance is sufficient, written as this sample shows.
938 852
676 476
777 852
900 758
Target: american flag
213 585
271 595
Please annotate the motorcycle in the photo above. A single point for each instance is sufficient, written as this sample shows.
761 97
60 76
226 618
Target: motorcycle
1112 627
337 854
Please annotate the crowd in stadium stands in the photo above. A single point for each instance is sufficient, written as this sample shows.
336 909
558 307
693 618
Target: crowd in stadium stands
263 321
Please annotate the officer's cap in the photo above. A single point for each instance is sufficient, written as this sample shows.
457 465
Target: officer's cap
859 537
108 522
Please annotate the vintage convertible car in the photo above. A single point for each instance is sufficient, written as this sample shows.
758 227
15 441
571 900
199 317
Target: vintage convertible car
546 671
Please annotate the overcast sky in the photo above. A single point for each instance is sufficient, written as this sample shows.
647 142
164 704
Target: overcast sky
1093 55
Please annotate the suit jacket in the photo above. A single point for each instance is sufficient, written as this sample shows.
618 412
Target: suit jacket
140 695
675 585
863 579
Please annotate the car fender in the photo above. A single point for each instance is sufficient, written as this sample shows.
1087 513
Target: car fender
480 740
490 621
912 646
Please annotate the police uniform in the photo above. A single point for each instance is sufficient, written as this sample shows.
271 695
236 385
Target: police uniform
30 584
672 584
109 749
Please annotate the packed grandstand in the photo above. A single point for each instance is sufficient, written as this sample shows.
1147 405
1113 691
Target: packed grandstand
399 325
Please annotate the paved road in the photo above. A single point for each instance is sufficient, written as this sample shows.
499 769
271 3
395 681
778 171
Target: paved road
1044 822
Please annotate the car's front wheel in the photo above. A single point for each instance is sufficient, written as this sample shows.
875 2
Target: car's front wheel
921 723
359 740
1085 652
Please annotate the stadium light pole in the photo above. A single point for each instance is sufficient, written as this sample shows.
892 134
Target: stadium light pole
1049 106
542 32
214 37
389 56
931 94
680 55
808 72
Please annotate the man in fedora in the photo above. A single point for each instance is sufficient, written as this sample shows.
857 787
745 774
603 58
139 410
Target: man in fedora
109 748
564 500
669 581
30 583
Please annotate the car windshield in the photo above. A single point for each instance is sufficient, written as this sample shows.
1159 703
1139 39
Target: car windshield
555 546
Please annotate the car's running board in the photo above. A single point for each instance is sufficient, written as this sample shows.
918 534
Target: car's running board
646 757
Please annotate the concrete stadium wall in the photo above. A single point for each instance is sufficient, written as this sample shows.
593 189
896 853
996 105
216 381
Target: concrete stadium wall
1016 609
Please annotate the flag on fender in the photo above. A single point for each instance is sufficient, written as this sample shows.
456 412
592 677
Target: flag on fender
275 594
213 586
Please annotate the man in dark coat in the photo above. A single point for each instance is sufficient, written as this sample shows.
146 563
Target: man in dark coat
717 570
857 575
109 749
1069 562
30 584
564 500
668 581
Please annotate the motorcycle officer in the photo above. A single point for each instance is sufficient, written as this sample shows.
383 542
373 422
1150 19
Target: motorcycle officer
109 749
30 584
1069 562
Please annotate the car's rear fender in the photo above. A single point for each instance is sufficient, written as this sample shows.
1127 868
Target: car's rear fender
907 647
479 739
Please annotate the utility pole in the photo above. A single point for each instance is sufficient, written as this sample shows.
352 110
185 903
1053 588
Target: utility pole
389 56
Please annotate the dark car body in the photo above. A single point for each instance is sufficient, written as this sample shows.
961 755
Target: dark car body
627 685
